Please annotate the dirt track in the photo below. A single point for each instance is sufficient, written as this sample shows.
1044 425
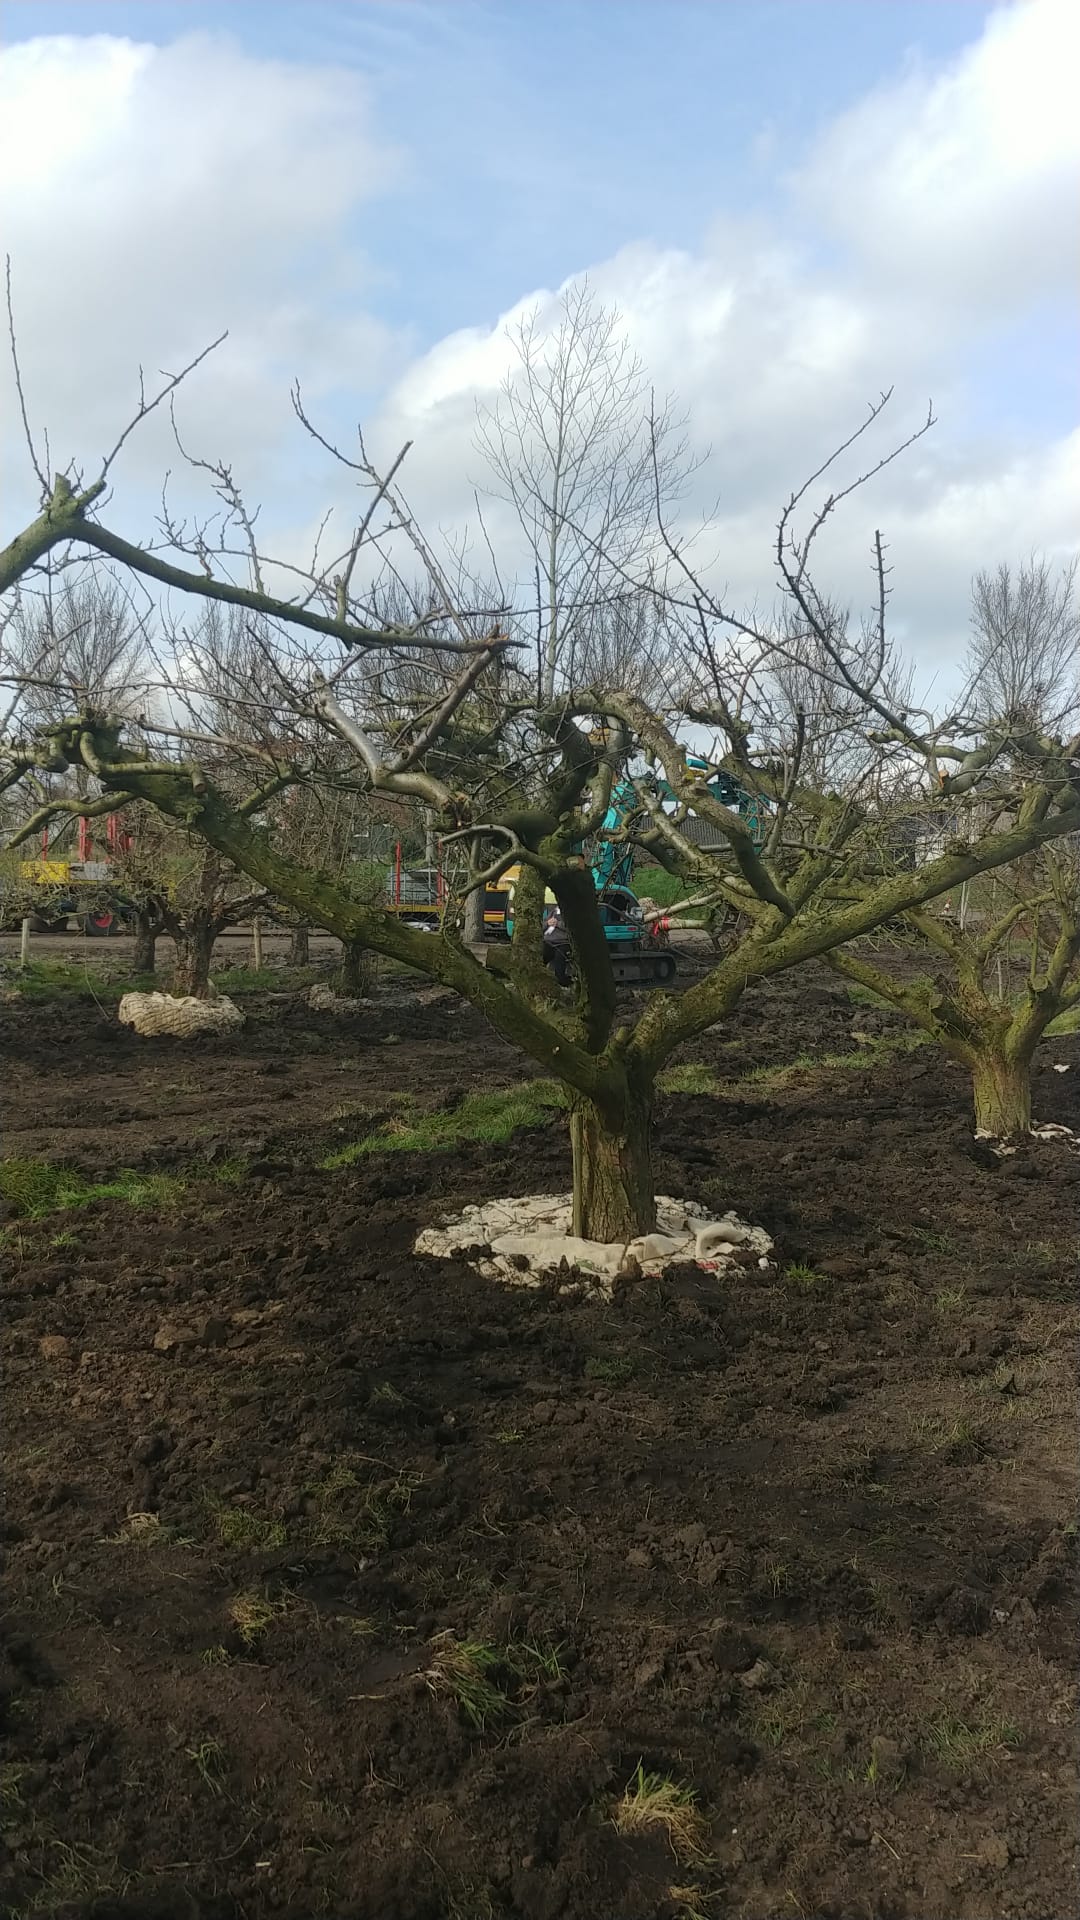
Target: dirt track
806 1545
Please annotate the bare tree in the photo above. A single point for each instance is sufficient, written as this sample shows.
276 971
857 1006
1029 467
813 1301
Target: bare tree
570 449
75 640
1000 977
1024 653
175 883
821 868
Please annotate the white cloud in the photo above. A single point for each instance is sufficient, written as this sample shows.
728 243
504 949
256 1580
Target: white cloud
962 186
152 197
179 189
953 194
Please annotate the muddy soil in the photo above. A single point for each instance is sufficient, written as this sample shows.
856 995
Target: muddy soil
804 1545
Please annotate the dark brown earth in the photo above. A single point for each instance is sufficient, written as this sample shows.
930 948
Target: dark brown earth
806 1545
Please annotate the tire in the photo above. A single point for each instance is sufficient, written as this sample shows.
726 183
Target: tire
40 923
99 925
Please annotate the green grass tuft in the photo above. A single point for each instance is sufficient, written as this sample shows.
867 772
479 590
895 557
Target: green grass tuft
614 1369
960 1744
653 1804
489 1683
692 1078
56 980
33 1188
494 1117
240 980
806 1279
243 1528
356 1514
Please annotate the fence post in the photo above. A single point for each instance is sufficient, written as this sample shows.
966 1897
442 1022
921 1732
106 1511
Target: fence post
24 943
256 944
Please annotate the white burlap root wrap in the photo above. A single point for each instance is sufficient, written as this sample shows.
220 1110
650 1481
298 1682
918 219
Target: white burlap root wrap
522 1239
153 1013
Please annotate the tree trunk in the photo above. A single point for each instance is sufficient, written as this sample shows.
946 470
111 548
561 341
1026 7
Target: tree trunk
194 951
613 1177
357 973
144 957
1002 1085
474 917
300 947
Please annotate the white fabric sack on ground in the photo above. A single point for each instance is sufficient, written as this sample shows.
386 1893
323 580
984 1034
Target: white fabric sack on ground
151 1013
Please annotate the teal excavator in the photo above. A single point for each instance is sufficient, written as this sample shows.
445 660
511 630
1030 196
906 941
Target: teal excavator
638 946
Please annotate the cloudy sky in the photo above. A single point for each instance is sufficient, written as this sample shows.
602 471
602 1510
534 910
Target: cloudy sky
794 203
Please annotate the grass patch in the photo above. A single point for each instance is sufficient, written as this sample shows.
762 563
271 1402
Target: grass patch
31 1189
73 1876
349 1512
961 1744
861 996
932 1242
655 1805
1042 1256
11 1779
246 1530
692 1078
878 1047
241 980
958 1439
466 1671
656 883
806 1279
66 980
251 1614
144 1530
494 1117
614 1369
208 1759
949 1299
489 1684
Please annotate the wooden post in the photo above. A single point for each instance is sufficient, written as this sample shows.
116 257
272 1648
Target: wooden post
24 943
256 944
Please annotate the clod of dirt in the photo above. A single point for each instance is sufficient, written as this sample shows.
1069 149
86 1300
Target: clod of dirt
324 1000
532 1236
170 1336
732 1652
54 1346
887 1760
760 1677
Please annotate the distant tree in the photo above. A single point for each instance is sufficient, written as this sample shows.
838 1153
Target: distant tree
994 983
576 449
1024 653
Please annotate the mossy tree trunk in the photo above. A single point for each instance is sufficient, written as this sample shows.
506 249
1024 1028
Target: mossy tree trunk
610 1138
300 946
473 928
147 927
194 953
1001 1079
356 974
